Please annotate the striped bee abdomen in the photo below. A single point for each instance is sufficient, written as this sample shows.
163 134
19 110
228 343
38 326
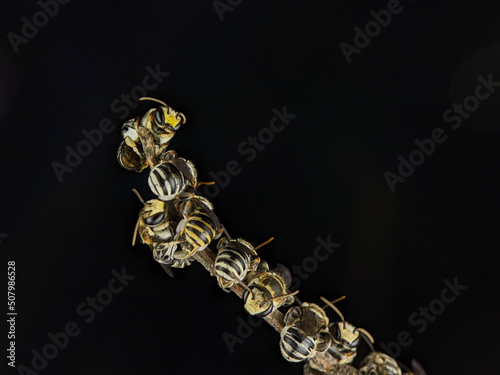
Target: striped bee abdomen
166 181
295 345
199 230
230 263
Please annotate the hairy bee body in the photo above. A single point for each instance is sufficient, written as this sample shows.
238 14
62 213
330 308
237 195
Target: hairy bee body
305 332
165 180
176 229
172 177
295 345
377 363
148 137
163 122
130 153
166 254
198 228
269 290
157 222
234 260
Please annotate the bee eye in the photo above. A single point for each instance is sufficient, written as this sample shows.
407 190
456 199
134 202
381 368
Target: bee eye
266 312
336 332
159 117
354 344
245 296
177 127
155 219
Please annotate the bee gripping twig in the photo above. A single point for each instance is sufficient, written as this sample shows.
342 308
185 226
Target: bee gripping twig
207 260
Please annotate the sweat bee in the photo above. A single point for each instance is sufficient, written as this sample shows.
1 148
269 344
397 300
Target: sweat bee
377 363
345 337
145 138
195 231
156 223
174 177
167 256
268 290
235 258
305 332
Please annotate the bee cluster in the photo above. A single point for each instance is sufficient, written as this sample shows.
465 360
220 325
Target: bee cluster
180 224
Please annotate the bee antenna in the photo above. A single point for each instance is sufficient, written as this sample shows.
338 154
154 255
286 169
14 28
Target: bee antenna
264 243
330 304
283 296
404 367
138 196
367 337
226 233
135 233
183 117
238 281
153 100
417 367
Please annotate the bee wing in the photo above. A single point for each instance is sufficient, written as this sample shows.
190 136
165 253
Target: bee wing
168 270
293 314
309 323
186 167
285 273
205 205
243 246
149 146
417 368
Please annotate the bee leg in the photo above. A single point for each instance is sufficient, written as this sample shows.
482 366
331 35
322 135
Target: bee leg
192 252
224 284
225 232
254 263
167 155
264 243
204 183
238 281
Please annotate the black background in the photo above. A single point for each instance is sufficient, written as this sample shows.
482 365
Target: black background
321 176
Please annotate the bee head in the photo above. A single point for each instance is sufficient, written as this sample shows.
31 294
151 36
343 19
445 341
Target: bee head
345 333
164 119
257 302
153 213
379 363
167 119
